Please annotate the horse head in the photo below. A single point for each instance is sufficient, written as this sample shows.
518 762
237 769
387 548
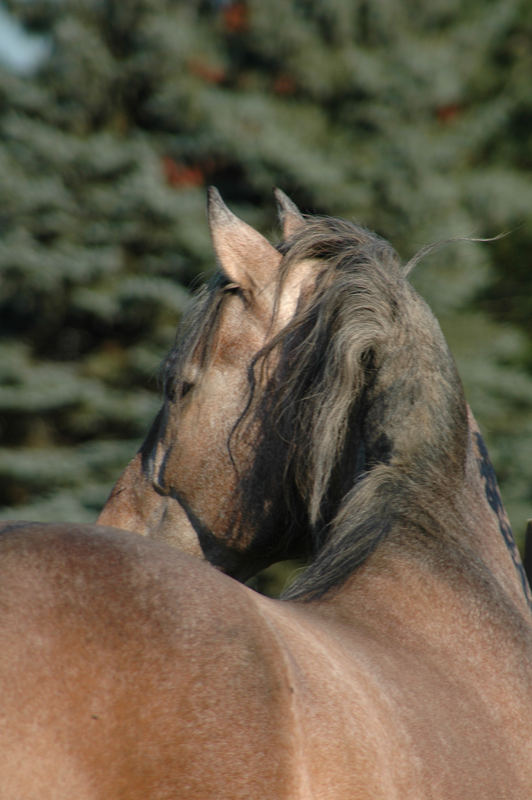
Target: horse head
312 409
183 486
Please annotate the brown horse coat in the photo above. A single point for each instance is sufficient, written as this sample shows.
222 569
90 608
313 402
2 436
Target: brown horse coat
399 663
130 670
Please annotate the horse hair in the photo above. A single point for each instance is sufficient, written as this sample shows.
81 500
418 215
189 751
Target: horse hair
360 420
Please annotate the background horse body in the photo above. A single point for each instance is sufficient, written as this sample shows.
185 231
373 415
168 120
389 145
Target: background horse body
333 426
135 671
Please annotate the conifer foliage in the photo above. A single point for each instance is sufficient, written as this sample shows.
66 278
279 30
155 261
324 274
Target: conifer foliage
412 118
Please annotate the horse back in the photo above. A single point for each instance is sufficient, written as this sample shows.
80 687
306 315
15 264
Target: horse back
128 669
381 711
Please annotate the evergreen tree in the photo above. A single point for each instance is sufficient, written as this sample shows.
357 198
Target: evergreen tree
411 118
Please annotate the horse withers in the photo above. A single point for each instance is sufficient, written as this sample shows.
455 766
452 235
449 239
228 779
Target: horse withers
311 409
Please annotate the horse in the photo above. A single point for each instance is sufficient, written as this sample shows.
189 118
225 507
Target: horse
311 409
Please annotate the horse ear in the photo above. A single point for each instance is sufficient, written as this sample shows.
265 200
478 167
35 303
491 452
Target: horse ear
290 216
244 255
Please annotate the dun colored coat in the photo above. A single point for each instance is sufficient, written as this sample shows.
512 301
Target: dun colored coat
311 409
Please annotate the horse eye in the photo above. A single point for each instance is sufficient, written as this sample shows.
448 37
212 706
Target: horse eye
232 288
173 393
186 387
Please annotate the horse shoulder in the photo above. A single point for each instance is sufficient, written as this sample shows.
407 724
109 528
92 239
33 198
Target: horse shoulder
157 675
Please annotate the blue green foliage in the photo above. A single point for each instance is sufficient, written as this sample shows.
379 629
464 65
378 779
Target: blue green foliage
412 118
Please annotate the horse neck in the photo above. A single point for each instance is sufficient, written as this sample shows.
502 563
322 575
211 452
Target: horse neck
460 616
457 541
430 483
463 592
440 446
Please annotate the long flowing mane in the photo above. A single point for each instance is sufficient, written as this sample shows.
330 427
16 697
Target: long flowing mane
356 411
364 407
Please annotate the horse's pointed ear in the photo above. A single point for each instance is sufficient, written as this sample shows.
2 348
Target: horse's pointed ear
290 216
244 255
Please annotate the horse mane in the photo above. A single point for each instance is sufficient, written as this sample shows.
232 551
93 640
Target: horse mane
363 406
360 407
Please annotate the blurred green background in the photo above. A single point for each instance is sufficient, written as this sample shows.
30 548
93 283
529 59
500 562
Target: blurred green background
413 118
